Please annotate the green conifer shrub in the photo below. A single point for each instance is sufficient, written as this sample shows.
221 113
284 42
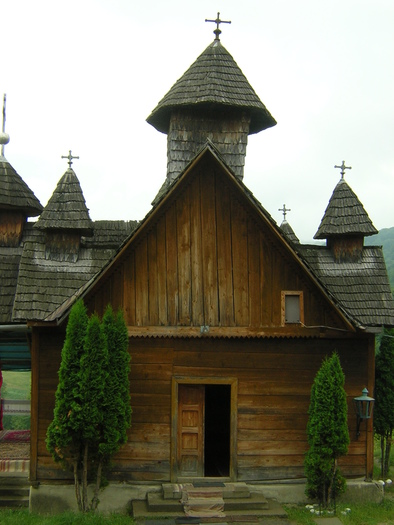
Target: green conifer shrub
328 434
92 404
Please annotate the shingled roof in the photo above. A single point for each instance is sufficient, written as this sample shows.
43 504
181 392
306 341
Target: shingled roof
15 194
66 209
289 232
360 288
344 215
213 81
43 284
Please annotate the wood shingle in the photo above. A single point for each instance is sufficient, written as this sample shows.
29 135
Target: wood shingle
344 215
66 209
213 80
15 194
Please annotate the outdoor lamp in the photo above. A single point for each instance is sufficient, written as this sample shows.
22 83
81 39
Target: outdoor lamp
363 406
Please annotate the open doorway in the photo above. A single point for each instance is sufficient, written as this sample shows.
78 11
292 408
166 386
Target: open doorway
217 430
204 430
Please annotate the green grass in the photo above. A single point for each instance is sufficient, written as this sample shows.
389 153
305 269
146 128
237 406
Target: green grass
16 385
19 517
359 514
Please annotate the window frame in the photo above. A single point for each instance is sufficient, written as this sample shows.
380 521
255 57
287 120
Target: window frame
286 293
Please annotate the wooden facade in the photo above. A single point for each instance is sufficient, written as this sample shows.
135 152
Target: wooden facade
220 379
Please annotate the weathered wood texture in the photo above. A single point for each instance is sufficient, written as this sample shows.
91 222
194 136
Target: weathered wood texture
11 227
274 383
205 260
189 131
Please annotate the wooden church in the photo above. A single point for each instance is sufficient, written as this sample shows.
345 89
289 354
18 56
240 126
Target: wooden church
229 316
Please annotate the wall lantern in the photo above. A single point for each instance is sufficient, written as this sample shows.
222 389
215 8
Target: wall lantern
363 406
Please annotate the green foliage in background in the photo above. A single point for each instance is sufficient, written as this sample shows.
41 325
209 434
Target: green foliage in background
383 418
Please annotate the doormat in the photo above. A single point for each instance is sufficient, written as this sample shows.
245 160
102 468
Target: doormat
203 503
15 436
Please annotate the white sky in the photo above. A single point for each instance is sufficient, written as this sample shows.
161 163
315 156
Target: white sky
85 74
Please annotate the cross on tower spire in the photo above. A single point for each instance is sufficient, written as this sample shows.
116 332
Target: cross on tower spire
70 158
217 31
284 210
342 167
4 137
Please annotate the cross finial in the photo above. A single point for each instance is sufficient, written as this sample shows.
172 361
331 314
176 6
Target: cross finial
342 167
284 210
70 158
217 31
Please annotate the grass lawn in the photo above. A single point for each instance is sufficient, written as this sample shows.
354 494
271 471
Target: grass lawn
23 517
360 514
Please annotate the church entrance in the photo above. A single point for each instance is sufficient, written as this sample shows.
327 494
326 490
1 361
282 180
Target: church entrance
204 430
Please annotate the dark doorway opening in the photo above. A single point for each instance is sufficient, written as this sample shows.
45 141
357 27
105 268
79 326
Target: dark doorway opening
217 430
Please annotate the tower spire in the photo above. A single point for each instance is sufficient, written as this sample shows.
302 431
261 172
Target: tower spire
4 137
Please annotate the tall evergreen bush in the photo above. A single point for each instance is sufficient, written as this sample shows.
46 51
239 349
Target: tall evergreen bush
327 430
92 404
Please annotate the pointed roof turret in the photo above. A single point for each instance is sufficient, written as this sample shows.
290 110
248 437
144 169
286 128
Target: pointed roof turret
66 209
344 215
15 194
213 82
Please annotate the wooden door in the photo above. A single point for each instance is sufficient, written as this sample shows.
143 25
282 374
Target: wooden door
191 430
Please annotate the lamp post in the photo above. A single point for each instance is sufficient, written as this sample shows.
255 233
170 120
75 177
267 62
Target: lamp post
363 406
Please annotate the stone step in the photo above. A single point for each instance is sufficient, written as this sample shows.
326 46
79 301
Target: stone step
230 490
156 503
14 493
273 515
14 498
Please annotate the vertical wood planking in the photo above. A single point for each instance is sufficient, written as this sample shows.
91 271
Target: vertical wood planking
183 252
142 283
197 312
240 263
153 306
162 272
117 289
129 289
254 274
172 266
225 262
209 256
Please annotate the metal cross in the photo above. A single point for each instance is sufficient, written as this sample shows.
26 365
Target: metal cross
218 22
284 210
342 167
70 158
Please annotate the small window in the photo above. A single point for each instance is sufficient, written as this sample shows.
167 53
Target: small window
292 308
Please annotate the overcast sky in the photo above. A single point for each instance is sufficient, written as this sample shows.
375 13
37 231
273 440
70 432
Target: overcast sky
85 74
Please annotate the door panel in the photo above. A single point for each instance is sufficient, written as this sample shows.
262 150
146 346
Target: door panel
191 430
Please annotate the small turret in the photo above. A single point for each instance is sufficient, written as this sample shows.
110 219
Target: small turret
211 101
345 222
65 218
17 201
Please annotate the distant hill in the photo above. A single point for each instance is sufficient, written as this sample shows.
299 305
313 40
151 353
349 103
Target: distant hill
385 238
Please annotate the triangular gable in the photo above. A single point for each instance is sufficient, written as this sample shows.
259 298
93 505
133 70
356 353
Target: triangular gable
208 257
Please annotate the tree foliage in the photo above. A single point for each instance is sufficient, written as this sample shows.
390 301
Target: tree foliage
383 419
92 405
328 434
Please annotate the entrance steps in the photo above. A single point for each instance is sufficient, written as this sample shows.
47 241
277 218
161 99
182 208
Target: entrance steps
14 493
240 505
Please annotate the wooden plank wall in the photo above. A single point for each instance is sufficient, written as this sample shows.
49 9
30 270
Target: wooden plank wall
207 260
274 382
